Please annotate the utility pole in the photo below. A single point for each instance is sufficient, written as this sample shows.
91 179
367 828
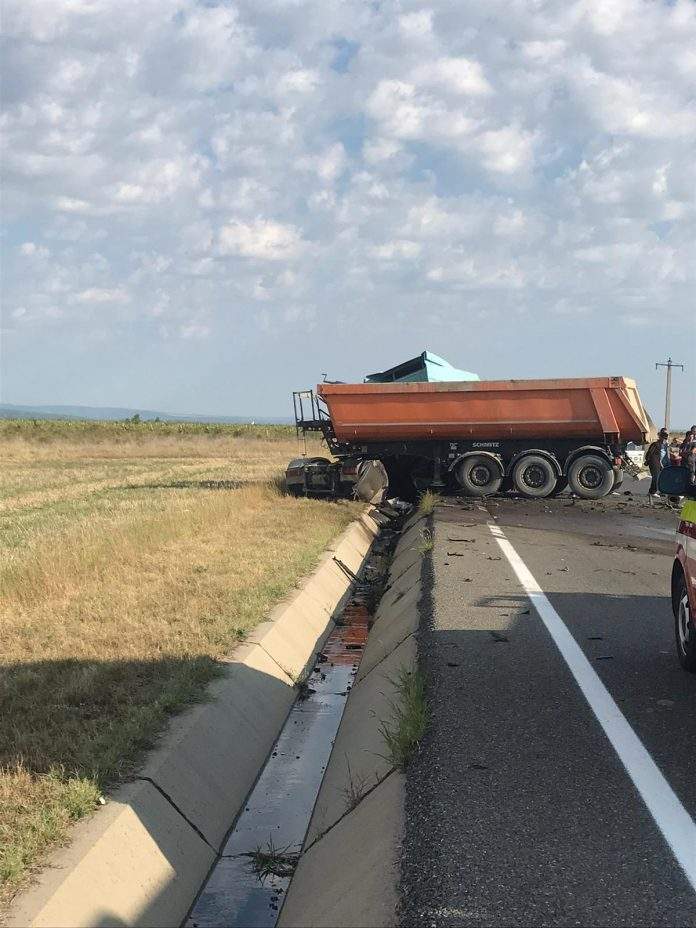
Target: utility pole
669 364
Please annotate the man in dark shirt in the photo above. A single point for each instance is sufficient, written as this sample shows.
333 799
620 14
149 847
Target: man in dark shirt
685 446
657 457
687 452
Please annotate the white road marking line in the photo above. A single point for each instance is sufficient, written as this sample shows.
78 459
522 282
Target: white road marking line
675 823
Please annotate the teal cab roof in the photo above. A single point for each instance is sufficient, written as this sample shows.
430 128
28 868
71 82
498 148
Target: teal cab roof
427 367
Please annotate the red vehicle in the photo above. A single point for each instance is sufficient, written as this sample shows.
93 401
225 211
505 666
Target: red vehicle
677 481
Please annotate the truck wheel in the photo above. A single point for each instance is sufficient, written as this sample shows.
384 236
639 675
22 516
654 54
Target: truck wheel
684 628
534 476
618 477
478 476
591 476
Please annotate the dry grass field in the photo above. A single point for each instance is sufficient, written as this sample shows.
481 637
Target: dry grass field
132 558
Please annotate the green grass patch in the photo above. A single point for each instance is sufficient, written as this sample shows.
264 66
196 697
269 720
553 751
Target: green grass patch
79 430
403 732
37 814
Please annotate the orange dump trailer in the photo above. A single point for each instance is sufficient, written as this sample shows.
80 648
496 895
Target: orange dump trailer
536 437
599 408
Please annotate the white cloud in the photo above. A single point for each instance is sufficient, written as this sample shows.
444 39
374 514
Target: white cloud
479 273
332 163
418 25
632 106
396 106
222 164
264 239
380 150
193 330
544 52
511 223
32 250
329 164
458 75
101 295
298 81
507 150
72 205
396 249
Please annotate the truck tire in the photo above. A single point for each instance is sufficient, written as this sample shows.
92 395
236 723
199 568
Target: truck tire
684 626
478 475
618 477
534 476
591 476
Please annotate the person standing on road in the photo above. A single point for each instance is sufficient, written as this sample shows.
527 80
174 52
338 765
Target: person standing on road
657 457
685 446
688 454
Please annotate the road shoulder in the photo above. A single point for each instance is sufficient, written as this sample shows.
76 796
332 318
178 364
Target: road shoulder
518 810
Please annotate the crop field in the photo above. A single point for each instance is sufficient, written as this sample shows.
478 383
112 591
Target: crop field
133 557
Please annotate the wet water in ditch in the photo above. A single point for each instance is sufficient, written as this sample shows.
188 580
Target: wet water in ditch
278 811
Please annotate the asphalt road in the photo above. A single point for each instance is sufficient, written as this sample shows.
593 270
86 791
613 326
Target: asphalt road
519 810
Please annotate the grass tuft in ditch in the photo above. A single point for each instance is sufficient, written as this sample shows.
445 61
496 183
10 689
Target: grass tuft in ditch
354 792
426 543
427 502
404 731
271 861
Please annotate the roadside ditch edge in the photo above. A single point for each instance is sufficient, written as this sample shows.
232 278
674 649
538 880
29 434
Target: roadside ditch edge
349 870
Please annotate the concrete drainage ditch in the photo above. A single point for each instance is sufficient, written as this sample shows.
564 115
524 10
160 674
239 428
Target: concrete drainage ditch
249 881
348 871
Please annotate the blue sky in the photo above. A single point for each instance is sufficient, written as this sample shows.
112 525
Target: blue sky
208 205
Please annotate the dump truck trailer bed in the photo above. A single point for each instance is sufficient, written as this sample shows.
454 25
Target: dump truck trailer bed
592 408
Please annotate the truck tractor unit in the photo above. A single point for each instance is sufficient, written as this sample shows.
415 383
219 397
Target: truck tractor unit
472 437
